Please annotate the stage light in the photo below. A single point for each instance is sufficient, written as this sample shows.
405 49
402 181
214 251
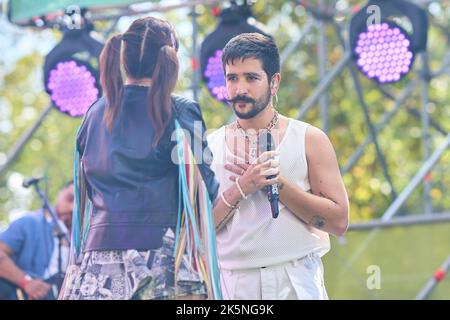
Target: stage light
71 73
383 50
232 22
214 74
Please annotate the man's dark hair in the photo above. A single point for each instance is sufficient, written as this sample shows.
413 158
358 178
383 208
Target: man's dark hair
253 45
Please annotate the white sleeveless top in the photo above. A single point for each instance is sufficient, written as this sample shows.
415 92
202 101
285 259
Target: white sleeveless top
252 238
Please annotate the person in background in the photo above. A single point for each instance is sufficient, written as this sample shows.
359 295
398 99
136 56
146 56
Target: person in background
29 251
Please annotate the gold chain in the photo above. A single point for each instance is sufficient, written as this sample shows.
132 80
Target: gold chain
253 143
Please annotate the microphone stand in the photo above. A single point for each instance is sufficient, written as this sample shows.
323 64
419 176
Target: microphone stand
60 233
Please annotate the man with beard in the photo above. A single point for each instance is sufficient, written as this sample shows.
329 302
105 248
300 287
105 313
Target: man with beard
30 252
262 257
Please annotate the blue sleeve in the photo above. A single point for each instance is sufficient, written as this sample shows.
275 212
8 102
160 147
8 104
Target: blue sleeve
190 119
15 235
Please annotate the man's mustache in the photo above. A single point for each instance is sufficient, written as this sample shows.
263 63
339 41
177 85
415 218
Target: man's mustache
241 99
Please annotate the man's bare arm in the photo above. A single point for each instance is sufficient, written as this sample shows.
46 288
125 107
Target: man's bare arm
326 206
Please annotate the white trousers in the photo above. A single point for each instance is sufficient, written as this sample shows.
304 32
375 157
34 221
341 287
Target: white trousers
300 279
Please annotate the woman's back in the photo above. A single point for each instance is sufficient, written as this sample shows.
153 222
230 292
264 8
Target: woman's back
130 197
132 184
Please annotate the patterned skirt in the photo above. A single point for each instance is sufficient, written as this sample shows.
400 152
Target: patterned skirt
131 274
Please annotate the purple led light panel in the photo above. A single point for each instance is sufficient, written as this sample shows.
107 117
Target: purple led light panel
214 72
384 53
73 88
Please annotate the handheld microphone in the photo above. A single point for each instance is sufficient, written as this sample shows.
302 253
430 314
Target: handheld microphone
267 143
29 182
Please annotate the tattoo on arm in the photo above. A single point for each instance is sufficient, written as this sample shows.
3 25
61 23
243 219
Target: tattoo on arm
280 186
318 222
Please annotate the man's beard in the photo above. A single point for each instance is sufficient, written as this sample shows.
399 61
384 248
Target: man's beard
258 105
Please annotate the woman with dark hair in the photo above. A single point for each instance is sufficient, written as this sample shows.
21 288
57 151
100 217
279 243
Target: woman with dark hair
138 230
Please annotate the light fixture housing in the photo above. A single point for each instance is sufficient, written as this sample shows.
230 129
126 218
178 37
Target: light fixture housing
71 76
232 22
383 50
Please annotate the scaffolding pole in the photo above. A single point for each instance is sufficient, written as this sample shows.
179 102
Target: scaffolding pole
365 109
154 8
26 136
415 181
396 205
352 160
434 280
324 85
293 45
401 221
195 55
425 119
322 66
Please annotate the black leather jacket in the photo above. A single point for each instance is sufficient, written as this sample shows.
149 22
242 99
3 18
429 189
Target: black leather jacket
132 185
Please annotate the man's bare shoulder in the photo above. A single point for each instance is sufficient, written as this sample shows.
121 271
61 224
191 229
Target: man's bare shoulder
315 135
317 144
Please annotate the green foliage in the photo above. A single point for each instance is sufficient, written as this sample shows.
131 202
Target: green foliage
49 152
